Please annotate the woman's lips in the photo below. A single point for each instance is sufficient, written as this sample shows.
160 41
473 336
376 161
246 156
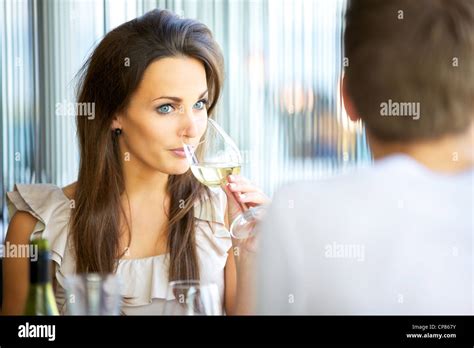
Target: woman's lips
179 152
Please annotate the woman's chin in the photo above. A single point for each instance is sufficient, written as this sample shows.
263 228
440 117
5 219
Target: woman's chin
179 169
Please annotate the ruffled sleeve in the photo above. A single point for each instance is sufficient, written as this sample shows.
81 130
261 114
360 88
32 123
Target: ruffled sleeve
48 204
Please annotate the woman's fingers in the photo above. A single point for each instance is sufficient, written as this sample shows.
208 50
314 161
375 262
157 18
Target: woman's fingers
242 187
245 191
253 198
234 204
238 179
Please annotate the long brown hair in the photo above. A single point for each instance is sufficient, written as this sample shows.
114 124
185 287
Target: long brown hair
108 79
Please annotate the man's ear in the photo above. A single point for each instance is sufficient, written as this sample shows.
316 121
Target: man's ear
348 104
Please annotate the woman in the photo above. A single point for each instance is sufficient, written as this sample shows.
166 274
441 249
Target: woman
136 209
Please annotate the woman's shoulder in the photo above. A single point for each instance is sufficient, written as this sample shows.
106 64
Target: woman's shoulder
47 203
70 190
51 207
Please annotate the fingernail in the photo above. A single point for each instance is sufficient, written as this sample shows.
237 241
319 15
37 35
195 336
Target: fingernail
242 196
232 186
231 178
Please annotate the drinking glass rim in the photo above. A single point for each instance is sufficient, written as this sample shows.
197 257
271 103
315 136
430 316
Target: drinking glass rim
215 125
92 277
192 282
219 129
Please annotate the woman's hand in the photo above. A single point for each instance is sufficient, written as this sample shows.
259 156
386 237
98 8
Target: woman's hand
242 194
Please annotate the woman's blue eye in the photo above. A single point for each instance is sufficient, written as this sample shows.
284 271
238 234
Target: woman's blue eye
165 109
200 105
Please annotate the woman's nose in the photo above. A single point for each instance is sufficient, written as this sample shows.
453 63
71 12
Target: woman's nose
190 129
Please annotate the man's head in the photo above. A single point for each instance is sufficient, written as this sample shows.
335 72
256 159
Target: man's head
410 72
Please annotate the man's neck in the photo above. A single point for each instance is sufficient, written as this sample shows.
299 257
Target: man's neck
450 154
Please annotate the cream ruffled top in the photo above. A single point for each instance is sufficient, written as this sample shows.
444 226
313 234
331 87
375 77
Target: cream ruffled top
144 281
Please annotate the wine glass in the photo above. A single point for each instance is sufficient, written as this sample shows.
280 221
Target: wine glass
212 161
192 297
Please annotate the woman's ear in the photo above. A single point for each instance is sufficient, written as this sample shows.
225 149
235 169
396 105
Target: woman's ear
116 122
348 104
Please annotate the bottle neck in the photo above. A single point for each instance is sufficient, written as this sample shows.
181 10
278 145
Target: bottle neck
40 268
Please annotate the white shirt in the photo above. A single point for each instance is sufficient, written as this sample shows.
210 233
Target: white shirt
144 280
395 238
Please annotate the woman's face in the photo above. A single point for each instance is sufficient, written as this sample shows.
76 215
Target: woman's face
169 106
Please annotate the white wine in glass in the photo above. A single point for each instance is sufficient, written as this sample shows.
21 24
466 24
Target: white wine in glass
212 161
214 174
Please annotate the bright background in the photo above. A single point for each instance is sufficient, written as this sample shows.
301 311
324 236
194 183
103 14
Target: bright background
281 100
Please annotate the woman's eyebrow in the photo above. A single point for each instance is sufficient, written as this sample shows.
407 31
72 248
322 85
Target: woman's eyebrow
179 100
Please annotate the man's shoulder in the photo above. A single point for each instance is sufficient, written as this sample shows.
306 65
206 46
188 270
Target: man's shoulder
342 183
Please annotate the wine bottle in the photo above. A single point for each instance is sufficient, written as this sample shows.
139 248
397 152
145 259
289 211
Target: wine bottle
41 300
